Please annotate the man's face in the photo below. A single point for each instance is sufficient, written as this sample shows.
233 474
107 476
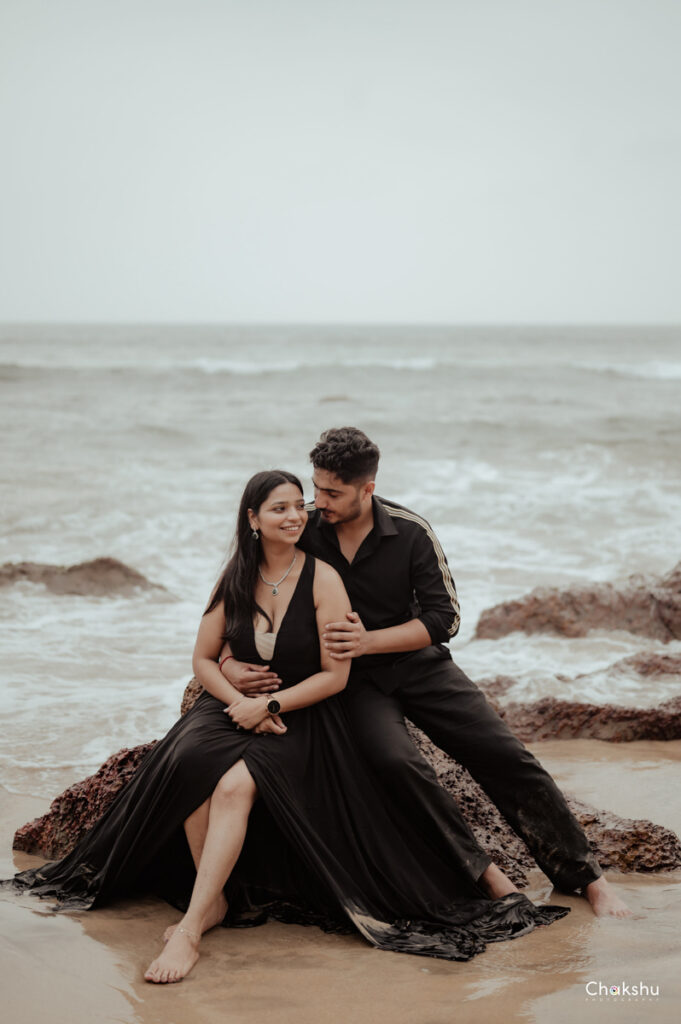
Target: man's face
338 502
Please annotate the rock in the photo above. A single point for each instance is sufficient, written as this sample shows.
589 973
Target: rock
102 577
647 606
627 845
496 687
647 664
620 843
192 692
550 718
553 718
73 813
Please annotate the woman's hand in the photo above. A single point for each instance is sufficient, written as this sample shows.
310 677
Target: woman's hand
247 712
272 724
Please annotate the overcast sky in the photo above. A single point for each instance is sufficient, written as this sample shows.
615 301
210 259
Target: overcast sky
340 160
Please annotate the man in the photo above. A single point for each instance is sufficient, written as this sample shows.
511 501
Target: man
404 609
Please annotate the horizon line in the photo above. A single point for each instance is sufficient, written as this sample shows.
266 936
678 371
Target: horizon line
485 324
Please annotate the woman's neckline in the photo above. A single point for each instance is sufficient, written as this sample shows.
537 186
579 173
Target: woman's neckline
276 632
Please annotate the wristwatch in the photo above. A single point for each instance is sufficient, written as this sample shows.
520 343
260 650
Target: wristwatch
273 706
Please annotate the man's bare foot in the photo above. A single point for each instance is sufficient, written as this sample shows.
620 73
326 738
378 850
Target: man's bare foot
604 900
215 916
496 882
177 959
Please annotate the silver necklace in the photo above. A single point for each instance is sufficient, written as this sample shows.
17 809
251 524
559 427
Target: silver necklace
271 583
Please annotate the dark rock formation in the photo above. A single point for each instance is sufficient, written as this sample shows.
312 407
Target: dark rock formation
619 843
192 692
550 718
78 808
647 664
623 844
101 577
648 606
496 687
627 844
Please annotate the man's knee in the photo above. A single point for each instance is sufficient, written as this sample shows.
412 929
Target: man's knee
397 759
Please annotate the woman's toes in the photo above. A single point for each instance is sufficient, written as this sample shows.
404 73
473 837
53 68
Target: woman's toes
154 972
176 960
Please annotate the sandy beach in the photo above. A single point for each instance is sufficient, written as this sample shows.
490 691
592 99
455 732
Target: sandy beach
87 969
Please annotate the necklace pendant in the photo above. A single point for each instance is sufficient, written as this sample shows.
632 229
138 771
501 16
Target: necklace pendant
274 584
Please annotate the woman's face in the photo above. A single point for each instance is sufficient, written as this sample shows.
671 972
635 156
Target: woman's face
282 515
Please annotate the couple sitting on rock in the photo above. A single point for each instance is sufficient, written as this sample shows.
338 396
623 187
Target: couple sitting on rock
325 630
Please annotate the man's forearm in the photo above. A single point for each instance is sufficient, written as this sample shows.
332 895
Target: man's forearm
410 636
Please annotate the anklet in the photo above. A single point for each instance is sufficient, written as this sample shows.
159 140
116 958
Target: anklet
192 935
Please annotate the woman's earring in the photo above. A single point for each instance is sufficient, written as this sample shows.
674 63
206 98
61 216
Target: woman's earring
255 535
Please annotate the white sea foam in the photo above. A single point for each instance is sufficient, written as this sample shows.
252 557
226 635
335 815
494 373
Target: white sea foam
257 367
648 370
575 669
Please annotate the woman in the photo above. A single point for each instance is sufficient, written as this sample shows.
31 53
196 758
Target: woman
325 840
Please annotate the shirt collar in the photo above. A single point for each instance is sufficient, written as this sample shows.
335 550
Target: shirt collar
383 522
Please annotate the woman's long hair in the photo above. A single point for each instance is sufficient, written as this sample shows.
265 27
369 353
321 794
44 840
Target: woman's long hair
236 587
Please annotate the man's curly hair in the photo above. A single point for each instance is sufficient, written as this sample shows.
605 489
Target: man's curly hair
348 453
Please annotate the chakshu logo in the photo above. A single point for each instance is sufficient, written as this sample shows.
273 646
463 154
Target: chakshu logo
624 990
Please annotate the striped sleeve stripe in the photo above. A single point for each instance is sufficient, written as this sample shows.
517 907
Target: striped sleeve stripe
399 513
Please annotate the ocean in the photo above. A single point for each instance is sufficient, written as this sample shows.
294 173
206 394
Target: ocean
542 456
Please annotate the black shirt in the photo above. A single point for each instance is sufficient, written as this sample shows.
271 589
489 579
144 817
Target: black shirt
399 573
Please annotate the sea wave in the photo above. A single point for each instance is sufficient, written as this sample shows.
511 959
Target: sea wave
232 367
259 359
652 370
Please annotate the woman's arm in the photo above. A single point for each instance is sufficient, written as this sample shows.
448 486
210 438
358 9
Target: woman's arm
329 595
331 601
206 652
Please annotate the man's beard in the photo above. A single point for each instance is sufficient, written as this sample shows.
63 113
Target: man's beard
354 512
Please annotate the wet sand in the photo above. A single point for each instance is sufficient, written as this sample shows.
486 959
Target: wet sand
87 969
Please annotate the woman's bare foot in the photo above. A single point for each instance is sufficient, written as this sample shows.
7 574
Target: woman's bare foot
177 959
496 882
604 900
215 916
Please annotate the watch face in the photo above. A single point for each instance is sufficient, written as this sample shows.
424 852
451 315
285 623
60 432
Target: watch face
273 706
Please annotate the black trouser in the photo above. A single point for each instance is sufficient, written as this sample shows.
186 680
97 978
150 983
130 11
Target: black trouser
442 701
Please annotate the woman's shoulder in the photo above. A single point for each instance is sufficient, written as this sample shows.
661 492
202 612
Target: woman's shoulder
324 574
328 589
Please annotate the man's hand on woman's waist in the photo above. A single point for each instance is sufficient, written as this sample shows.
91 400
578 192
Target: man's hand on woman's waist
247 678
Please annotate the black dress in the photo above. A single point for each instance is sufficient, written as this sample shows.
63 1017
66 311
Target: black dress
325 844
